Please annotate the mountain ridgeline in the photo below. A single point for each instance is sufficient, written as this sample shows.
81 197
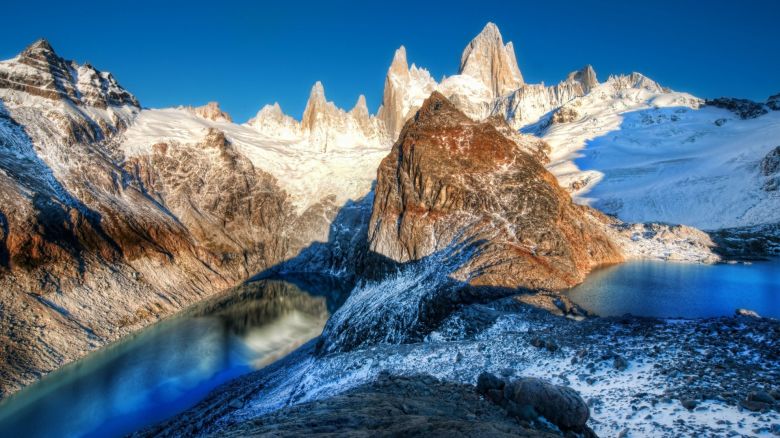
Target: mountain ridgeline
115 216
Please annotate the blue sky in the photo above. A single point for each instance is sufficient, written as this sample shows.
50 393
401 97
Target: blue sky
247 54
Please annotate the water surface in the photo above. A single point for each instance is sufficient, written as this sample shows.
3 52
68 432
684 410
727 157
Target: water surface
170 366
667 289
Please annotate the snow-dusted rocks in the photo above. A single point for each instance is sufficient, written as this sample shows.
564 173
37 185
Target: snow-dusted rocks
329 127
272 119
488 60
211 111
39 71
770 168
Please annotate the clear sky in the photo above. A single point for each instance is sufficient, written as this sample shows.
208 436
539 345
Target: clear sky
247 54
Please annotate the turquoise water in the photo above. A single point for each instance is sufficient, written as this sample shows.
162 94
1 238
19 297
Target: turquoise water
170 366
666 289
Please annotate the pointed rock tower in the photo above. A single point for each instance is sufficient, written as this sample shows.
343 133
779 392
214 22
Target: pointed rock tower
405 90
361 116
586 76
487 59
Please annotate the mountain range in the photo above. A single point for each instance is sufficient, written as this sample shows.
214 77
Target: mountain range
114 216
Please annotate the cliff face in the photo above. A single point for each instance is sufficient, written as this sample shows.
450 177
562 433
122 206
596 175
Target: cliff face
449 179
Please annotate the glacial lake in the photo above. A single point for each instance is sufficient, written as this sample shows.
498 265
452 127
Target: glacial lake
170 366
668 289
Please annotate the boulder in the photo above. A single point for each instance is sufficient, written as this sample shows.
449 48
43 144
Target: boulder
528 397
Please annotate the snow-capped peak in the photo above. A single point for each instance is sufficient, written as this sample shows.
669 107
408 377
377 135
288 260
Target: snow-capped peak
585 76
487 59
41 45
39 71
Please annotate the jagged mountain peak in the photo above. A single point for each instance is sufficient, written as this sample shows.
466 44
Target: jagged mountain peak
39 71
317 108
40 45
360 108
399 66
585 76
274 108
487 59
317 91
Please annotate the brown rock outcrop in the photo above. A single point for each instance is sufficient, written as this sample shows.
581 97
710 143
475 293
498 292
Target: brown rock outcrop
451 179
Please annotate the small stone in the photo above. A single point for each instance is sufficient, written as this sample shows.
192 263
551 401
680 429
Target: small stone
689 404
754 406
761 397
620 363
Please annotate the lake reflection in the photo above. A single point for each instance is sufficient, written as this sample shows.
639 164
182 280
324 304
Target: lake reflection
168 367
667 289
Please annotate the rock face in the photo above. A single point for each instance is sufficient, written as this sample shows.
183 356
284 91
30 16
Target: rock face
586 77
487 59
449 179
774 102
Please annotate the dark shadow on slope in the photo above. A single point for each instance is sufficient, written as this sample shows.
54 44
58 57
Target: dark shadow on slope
344 255
377 299
408 300
4 257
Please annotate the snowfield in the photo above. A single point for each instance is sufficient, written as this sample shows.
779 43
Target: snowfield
648 154
305 172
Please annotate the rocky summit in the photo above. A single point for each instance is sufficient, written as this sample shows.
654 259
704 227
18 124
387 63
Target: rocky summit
450 180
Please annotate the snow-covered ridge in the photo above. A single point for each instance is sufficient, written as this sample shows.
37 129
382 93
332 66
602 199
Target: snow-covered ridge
334 152
305 172
645 153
